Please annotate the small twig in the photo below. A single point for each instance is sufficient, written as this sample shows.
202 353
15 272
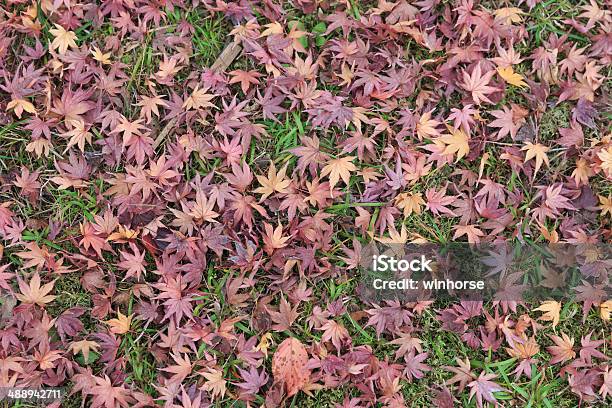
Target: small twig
165 131
227 56
223 61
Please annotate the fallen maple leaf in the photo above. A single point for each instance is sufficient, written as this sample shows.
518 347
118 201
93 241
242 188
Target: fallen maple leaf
335 332
35 255
273 238
106 395
129 129
181 369
202 208
455 143
551 309
33 293
605 155
101 57
46 358
537 151
509 15
511 77
438 200
63 39
472 232
121 324
563 350
426 127
484 388
271 29
284 318
19 106
215 383
273 183
605 309
507 121
409 202
337 169
84 347
246 79
289 366
477 84
198 99
264 343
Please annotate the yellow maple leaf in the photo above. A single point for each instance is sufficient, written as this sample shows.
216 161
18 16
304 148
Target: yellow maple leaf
605 155
511 77
199 99
606 205
19 106
550 236
272 28
123 235
552 310
121 324
337 169
395 237
39 147
63 39
103 58
275 182
582 172
426 127
409 203
84 346
346 75
605 309
537 151
483 162
456 142
509 15
264 343
78 134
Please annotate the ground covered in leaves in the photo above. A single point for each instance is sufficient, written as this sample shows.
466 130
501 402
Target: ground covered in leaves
180 230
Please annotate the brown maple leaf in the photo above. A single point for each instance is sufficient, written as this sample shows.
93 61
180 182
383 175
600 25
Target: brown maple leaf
286 315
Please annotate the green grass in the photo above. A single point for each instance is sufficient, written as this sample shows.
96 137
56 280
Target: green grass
553 119
209 38
547 17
